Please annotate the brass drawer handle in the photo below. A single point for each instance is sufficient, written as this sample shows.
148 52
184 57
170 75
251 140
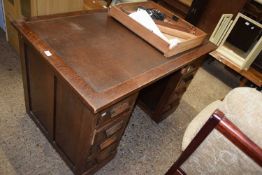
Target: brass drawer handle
188 69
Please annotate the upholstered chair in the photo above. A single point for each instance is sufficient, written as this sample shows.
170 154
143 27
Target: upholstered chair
227 141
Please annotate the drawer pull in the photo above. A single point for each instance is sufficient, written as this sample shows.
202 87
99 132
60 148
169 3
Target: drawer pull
104 114
114 129
188 69
93 137
108 142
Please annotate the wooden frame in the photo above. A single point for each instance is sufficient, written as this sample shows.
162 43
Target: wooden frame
189 35
219 122
243 62
221 29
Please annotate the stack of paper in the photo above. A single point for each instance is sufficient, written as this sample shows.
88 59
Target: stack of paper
143 18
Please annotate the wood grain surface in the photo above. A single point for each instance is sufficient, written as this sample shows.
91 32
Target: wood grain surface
101 60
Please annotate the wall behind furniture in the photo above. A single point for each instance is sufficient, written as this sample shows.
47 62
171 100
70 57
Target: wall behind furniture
46 7
2 19
18 9
213 11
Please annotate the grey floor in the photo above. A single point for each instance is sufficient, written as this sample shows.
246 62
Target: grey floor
146 148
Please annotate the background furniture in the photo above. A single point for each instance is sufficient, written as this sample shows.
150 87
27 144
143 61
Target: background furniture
180 7
253 9
12 12
2 20
44 7
251 74
95 4
18 9
213 11
205 14
81 88
224 144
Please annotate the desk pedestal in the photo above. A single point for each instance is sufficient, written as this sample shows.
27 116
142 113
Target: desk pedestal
162 98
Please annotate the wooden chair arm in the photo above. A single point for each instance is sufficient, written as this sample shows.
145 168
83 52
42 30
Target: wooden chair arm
218 121
238 138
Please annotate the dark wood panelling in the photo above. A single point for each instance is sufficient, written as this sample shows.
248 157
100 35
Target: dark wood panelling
213 11
40 94
73 123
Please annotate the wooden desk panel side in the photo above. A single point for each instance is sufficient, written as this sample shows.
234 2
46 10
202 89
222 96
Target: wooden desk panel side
56 63
74 127
67 123
41 90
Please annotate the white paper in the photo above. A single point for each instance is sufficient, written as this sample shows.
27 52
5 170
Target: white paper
143 18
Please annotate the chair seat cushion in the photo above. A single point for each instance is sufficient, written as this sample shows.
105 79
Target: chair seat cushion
196 124
243 107
217 155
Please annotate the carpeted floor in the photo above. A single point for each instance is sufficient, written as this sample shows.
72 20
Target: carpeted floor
146 148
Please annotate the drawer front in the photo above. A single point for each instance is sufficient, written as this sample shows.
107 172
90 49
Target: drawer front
103 156
187 75
110 126
111 129
191 68
116 110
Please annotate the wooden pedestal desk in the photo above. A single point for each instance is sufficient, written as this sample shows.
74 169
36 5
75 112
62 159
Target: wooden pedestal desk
82 73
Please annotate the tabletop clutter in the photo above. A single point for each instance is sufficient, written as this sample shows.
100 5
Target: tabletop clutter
161 28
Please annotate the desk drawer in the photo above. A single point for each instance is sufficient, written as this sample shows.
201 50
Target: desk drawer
187 75
114 128
186 78
101 156
191 68
116 110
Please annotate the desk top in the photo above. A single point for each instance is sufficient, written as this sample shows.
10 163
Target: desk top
101 59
